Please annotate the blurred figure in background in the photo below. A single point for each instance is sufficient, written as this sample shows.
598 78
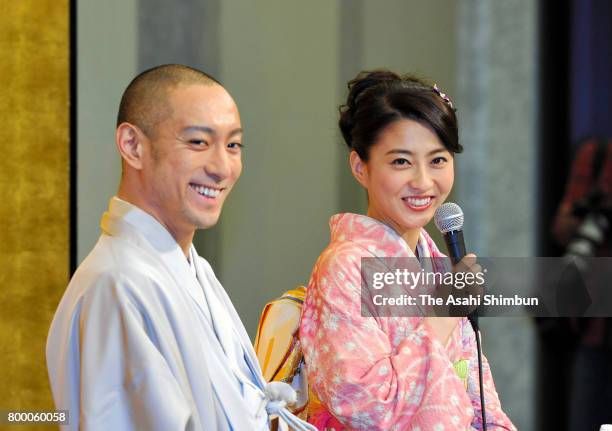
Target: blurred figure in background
582 227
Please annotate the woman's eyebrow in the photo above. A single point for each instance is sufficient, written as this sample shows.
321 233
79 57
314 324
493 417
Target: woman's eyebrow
410 153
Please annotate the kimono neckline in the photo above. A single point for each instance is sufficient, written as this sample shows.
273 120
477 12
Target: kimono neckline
342 227
144 223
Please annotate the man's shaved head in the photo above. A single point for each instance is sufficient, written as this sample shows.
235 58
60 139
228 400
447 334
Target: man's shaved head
145 100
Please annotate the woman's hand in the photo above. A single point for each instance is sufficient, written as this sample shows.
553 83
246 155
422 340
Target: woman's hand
443 327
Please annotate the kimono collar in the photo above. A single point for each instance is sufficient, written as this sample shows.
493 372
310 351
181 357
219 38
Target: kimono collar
147 225
378 238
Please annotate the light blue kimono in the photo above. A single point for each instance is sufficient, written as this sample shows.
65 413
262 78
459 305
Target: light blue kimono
140 342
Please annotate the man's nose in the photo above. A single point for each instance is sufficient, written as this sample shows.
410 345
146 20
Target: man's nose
217 165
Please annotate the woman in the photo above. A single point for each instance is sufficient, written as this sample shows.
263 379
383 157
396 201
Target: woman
392 373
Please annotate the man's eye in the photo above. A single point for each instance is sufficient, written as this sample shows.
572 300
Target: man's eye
198 142
400 162
235 145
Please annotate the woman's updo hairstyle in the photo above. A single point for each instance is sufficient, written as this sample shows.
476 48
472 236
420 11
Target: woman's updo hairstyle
378 98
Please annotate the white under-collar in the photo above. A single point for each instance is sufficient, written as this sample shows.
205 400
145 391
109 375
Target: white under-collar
191 261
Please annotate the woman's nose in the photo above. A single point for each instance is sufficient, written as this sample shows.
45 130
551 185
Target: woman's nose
421 179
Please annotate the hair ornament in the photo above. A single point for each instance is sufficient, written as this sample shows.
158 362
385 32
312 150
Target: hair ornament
443 96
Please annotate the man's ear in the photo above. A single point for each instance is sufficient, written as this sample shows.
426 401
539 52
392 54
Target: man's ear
130 143
359 169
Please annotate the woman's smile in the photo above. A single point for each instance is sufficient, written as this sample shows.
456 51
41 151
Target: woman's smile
418 203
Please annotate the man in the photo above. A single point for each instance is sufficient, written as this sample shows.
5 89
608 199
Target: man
145 337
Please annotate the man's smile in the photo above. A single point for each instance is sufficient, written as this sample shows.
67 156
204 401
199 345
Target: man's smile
206 191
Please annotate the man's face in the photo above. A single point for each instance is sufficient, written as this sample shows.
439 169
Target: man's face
194 158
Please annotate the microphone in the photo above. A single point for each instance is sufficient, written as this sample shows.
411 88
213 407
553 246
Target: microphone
449 221
448 218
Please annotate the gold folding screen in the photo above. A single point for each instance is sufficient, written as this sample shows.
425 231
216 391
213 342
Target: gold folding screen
34 193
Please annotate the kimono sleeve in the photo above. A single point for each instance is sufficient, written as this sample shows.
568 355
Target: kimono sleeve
359 376
124 383
496 418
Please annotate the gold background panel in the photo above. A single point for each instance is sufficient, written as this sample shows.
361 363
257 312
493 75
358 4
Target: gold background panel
34 194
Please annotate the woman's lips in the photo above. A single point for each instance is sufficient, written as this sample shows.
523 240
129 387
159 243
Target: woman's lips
418 203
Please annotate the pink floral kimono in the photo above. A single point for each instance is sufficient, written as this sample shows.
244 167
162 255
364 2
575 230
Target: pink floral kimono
385 373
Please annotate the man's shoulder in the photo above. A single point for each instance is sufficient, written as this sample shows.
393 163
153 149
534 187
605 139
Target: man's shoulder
113 265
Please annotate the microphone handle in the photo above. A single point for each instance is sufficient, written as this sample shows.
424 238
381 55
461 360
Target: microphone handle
455 245
456 250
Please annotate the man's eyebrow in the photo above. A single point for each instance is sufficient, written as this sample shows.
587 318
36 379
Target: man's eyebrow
204 129
237 131
410 153
209 130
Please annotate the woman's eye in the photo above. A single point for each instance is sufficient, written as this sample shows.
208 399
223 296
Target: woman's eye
400 162
439 160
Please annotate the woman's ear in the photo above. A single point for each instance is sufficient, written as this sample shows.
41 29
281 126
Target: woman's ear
130 143
359 169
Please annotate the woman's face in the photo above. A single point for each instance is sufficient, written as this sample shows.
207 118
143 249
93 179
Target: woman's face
408 175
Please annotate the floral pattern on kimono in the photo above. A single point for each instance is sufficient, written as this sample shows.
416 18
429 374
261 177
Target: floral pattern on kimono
385 373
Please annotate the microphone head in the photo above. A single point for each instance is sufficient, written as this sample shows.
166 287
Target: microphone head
448 217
